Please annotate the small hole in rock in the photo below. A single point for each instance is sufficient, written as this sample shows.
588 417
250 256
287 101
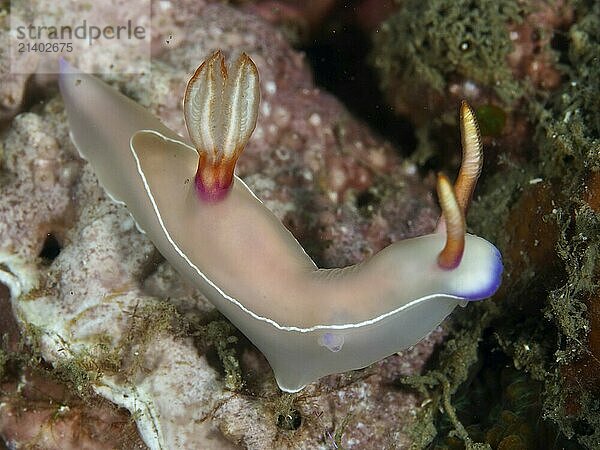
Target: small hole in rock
560 41
366 200
289 421
51 248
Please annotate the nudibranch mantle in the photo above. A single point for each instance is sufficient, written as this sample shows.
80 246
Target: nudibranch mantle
308 322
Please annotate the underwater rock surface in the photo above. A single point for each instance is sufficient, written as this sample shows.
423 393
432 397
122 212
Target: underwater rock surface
91 295
97 302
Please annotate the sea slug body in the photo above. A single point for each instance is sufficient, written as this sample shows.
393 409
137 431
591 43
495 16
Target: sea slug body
206 222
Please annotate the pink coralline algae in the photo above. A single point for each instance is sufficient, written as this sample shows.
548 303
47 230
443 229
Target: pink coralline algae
343 193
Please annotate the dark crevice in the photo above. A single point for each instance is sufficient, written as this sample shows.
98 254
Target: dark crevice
51 248
339 56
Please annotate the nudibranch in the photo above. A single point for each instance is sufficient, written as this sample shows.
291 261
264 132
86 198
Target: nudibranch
206 222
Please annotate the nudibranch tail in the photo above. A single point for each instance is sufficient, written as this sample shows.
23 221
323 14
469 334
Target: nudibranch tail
450 257
220 108
472 157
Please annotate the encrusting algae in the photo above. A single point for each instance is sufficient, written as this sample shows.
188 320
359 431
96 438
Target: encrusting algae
545 321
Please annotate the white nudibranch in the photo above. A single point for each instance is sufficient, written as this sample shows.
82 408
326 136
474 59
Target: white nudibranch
206 222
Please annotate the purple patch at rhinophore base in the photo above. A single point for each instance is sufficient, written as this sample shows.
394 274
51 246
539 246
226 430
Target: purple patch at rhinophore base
214 195
494 283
